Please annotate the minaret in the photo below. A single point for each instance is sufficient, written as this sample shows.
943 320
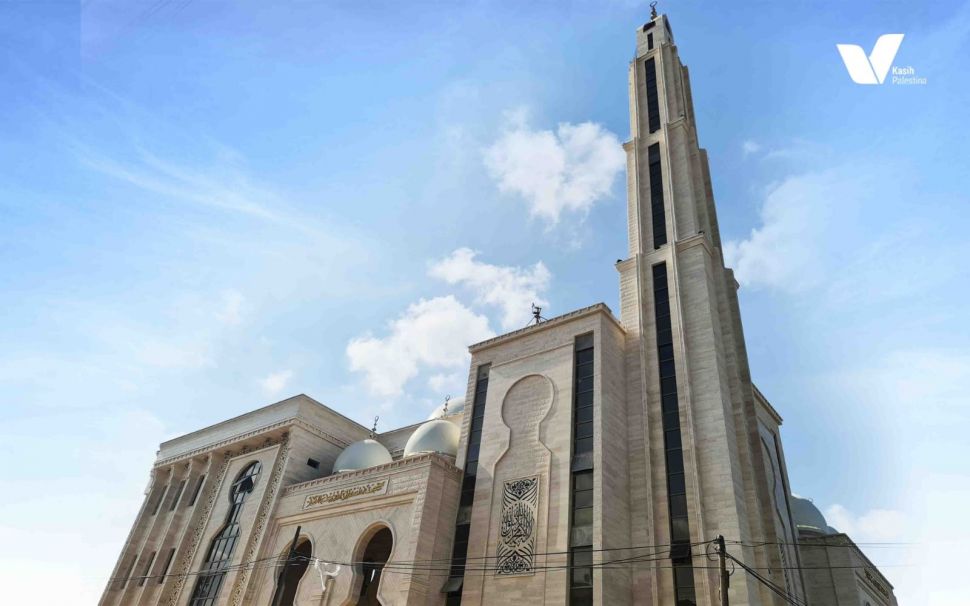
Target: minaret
695 458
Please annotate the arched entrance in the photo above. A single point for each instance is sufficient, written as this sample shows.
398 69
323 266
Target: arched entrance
375 555
295 569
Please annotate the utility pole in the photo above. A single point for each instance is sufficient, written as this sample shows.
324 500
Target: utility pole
722 565
281 579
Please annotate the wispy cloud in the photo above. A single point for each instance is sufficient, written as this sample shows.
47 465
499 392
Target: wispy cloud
781 252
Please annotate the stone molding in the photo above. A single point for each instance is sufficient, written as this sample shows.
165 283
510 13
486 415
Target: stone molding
430 457
292 421
583 311
185 561
265 508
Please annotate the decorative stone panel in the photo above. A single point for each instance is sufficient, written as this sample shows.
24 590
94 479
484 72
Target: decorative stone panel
517 530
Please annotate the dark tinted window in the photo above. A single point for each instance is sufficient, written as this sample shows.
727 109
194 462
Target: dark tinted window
653 102
657 212
680 551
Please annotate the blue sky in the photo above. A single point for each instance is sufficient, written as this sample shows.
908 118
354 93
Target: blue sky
206 207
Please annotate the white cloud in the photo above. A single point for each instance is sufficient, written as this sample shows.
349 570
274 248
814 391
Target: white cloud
784 252
873 526
454 381
430 334
231 312
566 170
276 382
512 289
749 147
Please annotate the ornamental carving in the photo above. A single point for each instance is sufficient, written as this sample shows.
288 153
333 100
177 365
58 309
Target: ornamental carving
269 500
196 537
517 531
345 494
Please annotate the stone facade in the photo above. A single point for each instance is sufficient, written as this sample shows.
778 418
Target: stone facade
598 457
837 573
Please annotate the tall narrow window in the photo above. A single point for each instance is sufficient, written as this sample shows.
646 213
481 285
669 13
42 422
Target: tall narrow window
650 41
658 215
177 495
198 489
159 499
147 571
123 581
219 556
168 564
581 520
680 550
653 99
459 552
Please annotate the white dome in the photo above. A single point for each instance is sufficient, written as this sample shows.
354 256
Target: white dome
361 455
807 516
434 436
454 407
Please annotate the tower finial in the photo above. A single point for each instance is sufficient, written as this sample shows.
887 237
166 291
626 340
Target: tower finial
653 9
373 430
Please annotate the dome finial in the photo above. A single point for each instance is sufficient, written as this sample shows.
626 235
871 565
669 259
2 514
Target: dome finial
448 397
373 430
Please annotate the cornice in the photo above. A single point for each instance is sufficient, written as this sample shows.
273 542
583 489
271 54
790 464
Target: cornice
699 239
556 321
242 437
421 460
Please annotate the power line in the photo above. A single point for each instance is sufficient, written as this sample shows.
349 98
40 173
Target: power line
766 582
886 545
481 565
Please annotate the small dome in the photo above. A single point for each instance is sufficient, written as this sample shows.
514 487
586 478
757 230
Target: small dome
454 407
807 516
434 436
361 455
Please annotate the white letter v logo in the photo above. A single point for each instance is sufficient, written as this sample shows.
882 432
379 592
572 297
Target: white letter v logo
871 69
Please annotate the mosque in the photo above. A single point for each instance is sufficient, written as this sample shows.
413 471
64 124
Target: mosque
594 459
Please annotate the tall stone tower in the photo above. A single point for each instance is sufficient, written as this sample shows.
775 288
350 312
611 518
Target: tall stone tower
704 451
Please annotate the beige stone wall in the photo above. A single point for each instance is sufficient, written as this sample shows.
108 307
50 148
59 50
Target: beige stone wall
328 423
527 431
417 505
836 573
728 489
611 488
267 457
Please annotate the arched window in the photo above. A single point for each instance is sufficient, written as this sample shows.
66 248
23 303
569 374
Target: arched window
219 556
295 569
376 553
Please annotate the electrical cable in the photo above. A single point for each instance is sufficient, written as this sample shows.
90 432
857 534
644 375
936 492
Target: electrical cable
783 593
